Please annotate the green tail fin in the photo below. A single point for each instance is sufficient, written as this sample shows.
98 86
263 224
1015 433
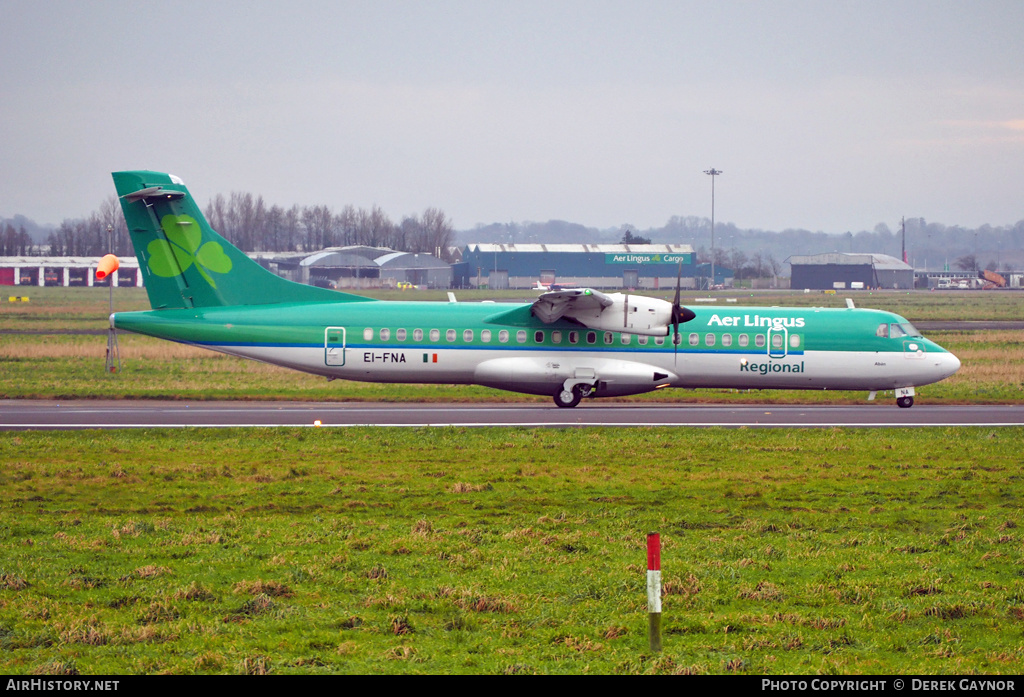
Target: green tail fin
186 264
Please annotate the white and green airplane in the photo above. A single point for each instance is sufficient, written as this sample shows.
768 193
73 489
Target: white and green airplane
568 344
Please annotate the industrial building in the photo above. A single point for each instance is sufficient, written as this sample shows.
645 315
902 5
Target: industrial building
837 271
64 271
646 266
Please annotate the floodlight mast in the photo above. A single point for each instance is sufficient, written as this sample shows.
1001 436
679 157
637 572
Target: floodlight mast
714 173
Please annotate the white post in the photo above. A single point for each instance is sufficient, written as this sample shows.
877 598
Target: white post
654 591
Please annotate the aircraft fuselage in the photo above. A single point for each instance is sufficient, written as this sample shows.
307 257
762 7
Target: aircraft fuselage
504 346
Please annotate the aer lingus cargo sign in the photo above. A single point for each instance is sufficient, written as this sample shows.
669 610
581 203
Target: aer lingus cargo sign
632 258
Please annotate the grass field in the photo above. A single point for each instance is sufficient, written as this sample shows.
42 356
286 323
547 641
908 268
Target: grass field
63 309
860 551
62 366
511 551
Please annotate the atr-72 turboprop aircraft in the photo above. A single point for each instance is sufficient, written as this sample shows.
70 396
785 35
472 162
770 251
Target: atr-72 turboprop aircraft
568 344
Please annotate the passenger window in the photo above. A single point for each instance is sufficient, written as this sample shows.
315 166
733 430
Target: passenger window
435 334
385 334
608 338
368 334
776 340
400 334
417 335
726 339
744 340
709 339
759 340
521 336
642 339
574 337
450 335
659 341
467 335
625 338
485 336
591 337
694 339
556 337
794 341
503 336
882 331
538 337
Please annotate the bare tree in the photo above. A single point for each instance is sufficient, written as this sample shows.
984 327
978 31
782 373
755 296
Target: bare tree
968 262
437 234
319 227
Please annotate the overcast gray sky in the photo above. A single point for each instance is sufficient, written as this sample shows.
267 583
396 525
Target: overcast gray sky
824 115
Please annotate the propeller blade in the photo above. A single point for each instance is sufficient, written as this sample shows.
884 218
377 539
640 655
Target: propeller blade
675 315
680 314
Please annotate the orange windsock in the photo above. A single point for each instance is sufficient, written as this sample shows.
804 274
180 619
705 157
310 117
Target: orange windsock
108 265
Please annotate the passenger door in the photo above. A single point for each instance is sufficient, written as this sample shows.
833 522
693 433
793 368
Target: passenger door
334 346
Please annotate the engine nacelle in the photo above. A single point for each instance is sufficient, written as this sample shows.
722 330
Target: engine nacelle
634 314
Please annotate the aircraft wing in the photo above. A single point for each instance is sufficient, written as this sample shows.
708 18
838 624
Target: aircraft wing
574 304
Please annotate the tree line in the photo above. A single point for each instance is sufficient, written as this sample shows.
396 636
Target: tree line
248 223
15 242
253 226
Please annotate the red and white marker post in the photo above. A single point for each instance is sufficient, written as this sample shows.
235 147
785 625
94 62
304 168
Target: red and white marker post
654 591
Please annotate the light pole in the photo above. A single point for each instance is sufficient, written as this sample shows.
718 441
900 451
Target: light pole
714 173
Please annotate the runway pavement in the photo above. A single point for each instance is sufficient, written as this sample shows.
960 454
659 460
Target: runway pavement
85 414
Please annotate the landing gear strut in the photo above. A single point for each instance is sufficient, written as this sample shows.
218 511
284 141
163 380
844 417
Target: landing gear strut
570 395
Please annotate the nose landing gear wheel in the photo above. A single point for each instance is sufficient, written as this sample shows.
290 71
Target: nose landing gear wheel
569 398
905 402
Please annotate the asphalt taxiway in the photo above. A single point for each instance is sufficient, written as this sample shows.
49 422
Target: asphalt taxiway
108 414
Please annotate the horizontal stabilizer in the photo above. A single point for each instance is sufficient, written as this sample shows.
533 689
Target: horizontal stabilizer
153 192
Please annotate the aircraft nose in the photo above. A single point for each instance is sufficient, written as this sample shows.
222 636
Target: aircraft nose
949 364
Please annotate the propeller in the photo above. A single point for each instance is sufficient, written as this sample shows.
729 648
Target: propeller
680 314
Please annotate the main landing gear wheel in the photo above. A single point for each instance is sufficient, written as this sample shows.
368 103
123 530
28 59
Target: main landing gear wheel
905 402
569 398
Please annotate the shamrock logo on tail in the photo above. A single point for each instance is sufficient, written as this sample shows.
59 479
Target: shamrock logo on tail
182 248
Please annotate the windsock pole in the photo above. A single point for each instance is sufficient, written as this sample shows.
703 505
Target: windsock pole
108 265
654 591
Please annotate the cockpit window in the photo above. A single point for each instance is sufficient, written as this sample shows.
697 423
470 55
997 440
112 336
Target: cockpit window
883 330
903 329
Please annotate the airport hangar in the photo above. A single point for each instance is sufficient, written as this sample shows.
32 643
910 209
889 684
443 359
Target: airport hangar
839 270
358 267
634 266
